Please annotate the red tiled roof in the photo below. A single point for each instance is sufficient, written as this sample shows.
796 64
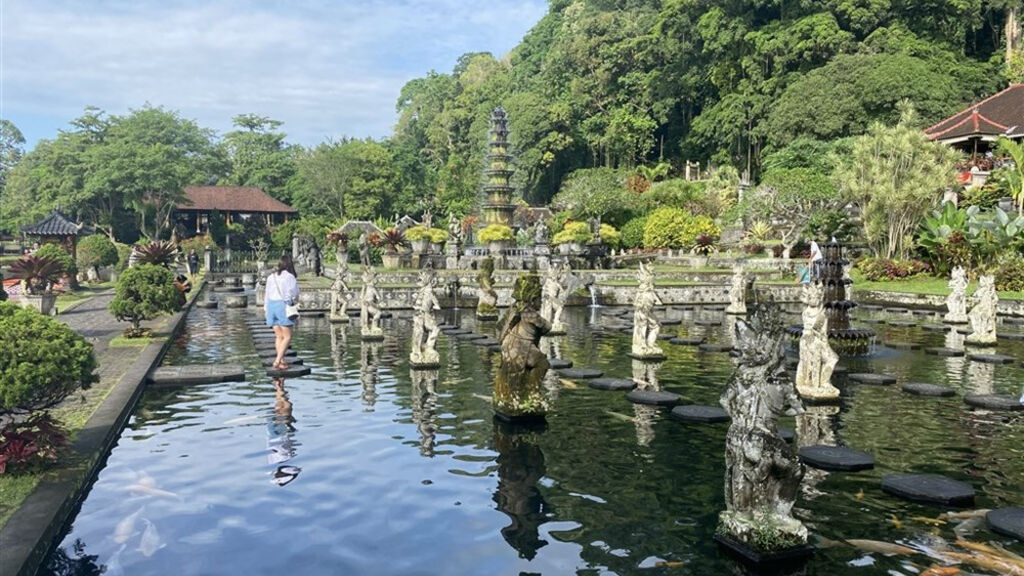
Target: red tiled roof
232 199
999 114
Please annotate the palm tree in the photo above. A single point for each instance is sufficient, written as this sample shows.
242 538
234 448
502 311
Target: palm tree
1015 150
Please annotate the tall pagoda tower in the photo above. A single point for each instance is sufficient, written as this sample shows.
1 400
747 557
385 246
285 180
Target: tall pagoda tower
498 207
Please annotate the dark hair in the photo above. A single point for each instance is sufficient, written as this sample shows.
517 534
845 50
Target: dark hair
286 264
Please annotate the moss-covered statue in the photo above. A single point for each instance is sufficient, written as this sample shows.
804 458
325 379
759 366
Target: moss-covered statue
518 388
423 354
487 303
762 474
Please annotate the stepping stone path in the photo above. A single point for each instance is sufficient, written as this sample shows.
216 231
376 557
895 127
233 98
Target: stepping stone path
455 331
665 336
1010 337
1014 321
494 348
671 322
925 389
929 488
206 304
485 341
559 363
904 345
870 307
902 323
470 336
1007 521
291 372
994 402
947 352
836 458
934 328
580 373
196 374
271 354
786 434
653 397
874 320
708 322
701 414
688 340
881 379
991 358
612 384
293 361
964 331
715 347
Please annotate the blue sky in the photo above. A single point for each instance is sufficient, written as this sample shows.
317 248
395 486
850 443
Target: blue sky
326 68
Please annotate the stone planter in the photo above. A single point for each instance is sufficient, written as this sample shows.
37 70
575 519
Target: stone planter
421 246
42 303
436 248
497 247
391 259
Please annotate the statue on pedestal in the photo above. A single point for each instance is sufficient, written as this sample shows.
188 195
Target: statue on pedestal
554 295
453 248
364 250
956 302
424 326
737 296
487 303
817 359
645 326
518 387
340 289
762 474
983 314
370 311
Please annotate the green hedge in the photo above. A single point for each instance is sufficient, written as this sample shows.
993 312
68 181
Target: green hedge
669 227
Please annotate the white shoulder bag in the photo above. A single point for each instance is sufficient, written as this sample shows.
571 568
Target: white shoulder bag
290 309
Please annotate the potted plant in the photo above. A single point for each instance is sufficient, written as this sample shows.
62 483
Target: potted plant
497 237
38 274
571 238
392 240
419 236
437 239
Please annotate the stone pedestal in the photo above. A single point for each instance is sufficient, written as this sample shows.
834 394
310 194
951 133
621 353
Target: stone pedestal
209 259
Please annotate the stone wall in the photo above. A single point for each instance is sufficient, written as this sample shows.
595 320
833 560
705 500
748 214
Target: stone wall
925 301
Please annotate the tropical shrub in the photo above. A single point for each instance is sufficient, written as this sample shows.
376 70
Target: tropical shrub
987 196
392 240
875 269
31 442
611 236
666 228
160 252
759 232
55 252
1009 272
197 243
96 251
573 232
48 361
942 238
435 235
143 292
632 232
496 233
39 274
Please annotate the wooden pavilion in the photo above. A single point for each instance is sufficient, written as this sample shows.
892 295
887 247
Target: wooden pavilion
58 229
235 204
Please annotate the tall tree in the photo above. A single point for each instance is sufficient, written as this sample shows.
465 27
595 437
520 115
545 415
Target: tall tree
11 150
353 179
260 156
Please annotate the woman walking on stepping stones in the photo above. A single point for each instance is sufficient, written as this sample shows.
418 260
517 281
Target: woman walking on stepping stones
282 289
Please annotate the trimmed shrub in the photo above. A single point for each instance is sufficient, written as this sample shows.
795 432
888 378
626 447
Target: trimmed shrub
1010 273
96 251
435 235
875 269
611 236
55 252
573 231
495 233
41 360
632 233
675 228
143 292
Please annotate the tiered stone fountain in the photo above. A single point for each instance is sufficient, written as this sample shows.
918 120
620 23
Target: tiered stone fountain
498 208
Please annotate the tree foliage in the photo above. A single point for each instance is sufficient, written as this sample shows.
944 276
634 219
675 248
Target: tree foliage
143 292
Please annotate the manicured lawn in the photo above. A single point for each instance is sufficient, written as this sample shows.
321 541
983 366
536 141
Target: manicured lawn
919 285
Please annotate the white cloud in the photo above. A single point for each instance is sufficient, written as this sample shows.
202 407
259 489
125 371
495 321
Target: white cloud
326 68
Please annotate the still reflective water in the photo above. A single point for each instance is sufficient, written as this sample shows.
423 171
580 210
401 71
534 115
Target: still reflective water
365 468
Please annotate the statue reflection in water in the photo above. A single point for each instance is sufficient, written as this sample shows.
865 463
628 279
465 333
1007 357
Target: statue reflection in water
281 436
369 363
645 374
339 344
424 408
520 467
816 426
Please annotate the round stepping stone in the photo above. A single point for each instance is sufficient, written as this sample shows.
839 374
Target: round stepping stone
470 336
929 488
612 384
872 378
947 352
559 363
455 331
786 434
291 372
904 345
671 322
229 289
840 369
925 389
836 458
1014 321
293 361
196 374
665 336
485 341
1010 337
701 414
874 320
206 304
964 331
271 354
708 322
580 373
994 402
991 358
494 348
265 347
715 348
653 397
1007 521
934 328
688 340
902 323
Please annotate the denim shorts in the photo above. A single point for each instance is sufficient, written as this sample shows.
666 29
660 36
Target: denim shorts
276 315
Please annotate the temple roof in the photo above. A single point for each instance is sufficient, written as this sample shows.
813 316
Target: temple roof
56 224
1001 114
232 199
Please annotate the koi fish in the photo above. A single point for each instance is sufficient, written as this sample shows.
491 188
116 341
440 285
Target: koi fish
885 548
126 527
150 541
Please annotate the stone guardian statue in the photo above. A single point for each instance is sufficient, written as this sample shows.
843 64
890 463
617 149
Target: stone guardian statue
737 298
518 387
339 288
370 312
487 303
817 359
425 329
645 325
983 314
956 302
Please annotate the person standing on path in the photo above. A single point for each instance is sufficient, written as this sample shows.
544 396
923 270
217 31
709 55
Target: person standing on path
282 288
193 263
815 259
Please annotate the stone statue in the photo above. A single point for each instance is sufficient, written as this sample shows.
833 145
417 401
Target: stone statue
956 302
518 387
541 233
428 219
370 313
595 229
487 303
645 325
453 247
364 250
554 295
424 326
983 314
817 359
521 469
762 474
454 229
737 296
340 289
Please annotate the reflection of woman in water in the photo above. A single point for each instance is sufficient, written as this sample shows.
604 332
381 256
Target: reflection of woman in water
281 430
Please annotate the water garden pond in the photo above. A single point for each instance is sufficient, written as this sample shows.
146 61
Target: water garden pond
362 467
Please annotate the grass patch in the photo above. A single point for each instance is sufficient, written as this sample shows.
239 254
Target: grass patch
122 342
13 490
919 285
